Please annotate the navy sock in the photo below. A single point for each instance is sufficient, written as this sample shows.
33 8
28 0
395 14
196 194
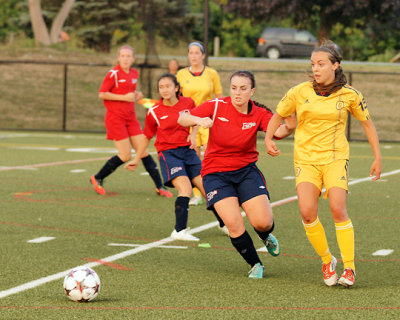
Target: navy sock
181 213
109 167
151 168
221 223
244 245
264 234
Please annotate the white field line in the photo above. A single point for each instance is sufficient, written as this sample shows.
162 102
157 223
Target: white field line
145 247
138 245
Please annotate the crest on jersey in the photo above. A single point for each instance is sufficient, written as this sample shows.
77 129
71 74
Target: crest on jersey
134 81
339 105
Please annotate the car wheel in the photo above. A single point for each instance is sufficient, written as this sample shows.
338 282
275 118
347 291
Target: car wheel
273 53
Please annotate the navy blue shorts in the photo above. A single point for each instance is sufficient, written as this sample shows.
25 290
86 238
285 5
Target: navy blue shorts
177 162
245 183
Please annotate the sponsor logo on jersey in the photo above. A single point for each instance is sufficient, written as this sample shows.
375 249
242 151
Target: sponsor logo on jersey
211 195
248 125
163 117
342 178
223 119
122 80
175 170
306 101
261 187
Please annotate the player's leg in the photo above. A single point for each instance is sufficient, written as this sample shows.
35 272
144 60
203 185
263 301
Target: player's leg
229 210
308 195
151 167
336 178
197 199
259 213
198 183
184 188
124 152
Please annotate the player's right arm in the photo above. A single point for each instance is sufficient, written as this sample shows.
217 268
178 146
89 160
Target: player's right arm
188 120
128 97
142 147
273 125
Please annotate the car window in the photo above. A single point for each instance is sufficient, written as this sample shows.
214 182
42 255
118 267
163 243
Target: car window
304 36
285 34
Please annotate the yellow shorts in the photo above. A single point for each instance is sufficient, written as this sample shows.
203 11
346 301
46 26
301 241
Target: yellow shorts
335 174
202 137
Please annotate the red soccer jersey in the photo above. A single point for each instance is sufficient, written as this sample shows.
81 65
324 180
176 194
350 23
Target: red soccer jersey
233 137
163 121
119 82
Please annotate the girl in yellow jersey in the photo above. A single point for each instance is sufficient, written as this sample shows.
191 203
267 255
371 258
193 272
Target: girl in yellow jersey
321 153
200 83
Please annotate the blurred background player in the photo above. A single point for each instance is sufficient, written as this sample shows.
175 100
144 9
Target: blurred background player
180 165
173 66
199 82
118 92
231 178
321 153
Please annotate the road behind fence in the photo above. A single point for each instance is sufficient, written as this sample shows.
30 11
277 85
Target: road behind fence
64 96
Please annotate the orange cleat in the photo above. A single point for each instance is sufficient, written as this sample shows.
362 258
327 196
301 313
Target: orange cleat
348 277
330 276
164 192
97 185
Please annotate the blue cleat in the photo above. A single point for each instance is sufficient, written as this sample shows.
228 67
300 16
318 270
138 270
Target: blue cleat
272 245
257 271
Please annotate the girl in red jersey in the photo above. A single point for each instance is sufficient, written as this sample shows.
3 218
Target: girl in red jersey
231 178
180 165
118 94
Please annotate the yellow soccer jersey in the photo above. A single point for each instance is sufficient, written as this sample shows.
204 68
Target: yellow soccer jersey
199 88
320 135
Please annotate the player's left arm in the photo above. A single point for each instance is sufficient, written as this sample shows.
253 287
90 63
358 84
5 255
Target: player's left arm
373 139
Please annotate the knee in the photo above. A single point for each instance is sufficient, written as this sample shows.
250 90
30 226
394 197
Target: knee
339 213
308 213
124 157
263 225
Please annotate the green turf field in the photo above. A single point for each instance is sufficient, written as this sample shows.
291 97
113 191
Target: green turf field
45 192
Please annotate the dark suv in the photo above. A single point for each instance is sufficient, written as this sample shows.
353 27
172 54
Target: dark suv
286 42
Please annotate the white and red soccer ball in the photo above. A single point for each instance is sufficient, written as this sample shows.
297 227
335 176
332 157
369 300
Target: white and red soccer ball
82 284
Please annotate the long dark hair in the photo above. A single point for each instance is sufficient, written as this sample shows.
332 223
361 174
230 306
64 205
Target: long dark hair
174 80
331 48
249 75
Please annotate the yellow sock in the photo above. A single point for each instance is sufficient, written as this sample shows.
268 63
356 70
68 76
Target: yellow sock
316 234
345 239
196 192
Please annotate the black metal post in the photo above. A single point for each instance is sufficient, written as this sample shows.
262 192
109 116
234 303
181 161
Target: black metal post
64 120
206 16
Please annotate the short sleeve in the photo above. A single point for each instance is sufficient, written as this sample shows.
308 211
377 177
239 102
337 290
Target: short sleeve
150 125
287 106
265 118
216 83
358 108
108 82
205 109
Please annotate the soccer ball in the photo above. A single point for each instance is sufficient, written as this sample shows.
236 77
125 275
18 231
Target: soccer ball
82 284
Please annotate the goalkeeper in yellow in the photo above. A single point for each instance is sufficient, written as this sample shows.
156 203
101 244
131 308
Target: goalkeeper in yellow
321 153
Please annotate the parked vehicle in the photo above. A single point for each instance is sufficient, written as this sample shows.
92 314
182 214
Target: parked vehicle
286 42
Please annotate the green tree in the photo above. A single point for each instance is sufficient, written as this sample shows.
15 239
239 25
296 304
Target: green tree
10 13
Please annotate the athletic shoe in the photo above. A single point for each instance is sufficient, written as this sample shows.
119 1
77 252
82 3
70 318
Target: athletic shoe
224 229
183 235
330 276
164 192
257 271
348 277
97 185
195 201
272 245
